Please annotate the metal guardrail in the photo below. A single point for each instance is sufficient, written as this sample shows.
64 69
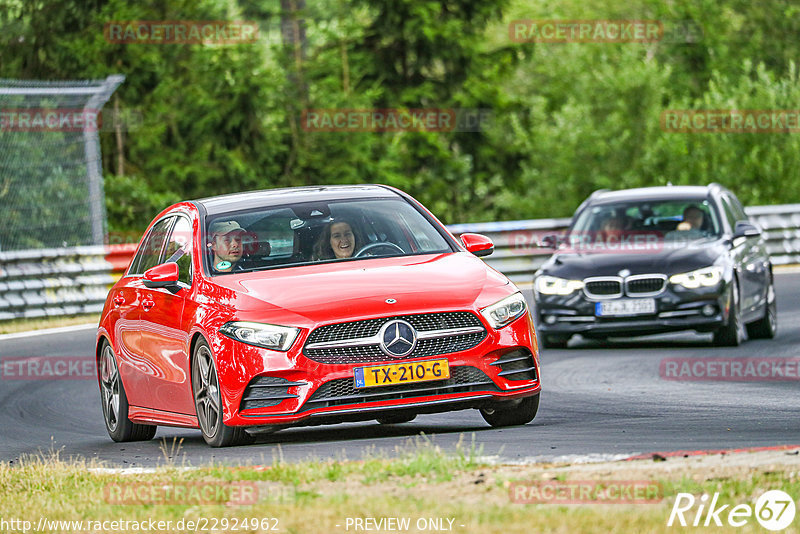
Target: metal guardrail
69 281
53 282
781 225
516 253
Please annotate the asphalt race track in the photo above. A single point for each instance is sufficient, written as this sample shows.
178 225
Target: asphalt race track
605 400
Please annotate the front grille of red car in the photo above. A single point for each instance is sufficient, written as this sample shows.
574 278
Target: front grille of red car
463 379
446 343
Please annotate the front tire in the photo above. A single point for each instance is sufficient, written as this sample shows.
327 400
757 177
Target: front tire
208 401
767 326
554 342
511 413
732 333
396 419
115 402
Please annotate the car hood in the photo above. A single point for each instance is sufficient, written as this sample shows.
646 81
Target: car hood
313 294
666 261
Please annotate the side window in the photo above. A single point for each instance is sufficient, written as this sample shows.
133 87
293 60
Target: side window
728 209
137 259
149 254
179 249
738 209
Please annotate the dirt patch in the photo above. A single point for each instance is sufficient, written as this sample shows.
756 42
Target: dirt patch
490 484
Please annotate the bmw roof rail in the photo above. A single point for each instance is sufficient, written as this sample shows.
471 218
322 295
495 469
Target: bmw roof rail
594 194
719 187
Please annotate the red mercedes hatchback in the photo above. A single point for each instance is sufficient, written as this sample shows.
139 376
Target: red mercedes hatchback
251 312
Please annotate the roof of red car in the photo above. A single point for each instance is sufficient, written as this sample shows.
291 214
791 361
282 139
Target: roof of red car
292 195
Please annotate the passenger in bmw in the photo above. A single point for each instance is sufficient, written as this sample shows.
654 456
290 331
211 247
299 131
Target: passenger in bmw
613 225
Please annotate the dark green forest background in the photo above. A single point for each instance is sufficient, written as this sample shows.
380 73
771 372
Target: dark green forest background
568 118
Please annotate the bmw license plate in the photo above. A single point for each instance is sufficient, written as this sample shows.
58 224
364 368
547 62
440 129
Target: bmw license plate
401 373
625 307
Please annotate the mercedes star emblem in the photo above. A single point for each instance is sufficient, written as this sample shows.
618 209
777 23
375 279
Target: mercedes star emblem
398 338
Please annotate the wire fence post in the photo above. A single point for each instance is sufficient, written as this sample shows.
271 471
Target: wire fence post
51 179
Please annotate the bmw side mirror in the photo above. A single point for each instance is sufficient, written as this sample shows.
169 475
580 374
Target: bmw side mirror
746 229
164 275
478 244
551 241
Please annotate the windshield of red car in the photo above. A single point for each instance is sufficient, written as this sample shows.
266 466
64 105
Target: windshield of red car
307 233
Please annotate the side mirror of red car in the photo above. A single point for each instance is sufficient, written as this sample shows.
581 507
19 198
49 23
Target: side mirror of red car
164 275
478 244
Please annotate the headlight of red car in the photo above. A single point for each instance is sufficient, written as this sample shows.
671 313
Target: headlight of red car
505 311
268 336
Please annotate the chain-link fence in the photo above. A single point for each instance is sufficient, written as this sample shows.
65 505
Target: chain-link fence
51 183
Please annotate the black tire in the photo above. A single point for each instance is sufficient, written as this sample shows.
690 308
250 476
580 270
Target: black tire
732 333
115 402
554 342
396 419
767 326
208 401
510 413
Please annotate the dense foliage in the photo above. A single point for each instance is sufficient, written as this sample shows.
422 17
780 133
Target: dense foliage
568 118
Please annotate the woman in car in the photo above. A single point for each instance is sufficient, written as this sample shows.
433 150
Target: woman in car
338 240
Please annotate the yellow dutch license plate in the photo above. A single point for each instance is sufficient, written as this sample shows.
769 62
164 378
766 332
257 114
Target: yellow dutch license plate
401 373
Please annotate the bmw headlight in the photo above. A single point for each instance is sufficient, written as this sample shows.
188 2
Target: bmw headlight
503 312
553 285
269 336
706 277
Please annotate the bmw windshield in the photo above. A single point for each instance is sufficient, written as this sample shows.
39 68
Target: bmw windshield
609 227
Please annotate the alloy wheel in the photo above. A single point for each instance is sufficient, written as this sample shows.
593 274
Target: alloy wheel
206 395
741 334
109 384
772 310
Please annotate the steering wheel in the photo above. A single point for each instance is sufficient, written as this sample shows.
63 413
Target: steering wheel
385 244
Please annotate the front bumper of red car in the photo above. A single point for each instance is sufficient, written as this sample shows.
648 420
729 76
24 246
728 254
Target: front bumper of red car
261 387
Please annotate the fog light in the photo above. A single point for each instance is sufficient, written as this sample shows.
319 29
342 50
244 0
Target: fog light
550 319
709 310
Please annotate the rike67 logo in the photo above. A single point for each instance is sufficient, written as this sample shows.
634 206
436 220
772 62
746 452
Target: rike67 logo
774 510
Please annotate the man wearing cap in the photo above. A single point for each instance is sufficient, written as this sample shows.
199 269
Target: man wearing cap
226 244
